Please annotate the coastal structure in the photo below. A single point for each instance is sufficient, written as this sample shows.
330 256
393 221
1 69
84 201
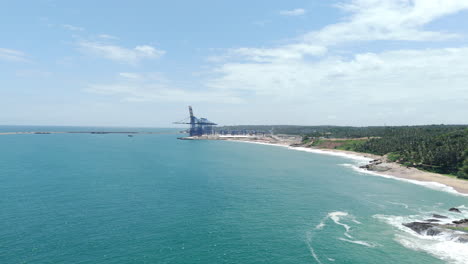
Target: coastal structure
198 126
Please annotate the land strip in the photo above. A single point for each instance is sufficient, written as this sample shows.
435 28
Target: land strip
377 164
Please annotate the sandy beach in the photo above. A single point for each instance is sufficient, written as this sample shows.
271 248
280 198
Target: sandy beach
382 168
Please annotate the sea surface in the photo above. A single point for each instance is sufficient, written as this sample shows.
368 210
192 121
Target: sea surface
87 198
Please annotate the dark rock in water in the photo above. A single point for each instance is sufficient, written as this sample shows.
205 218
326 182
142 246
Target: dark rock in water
439 216
453 209
375 165
432 220
419 227
460 222
433 229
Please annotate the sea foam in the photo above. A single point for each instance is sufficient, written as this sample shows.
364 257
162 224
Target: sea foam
431 185
363 160
443 246
336 217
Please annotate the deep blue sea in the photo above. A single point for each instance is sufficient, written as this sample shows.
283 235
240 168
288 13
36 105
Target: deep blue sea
114 199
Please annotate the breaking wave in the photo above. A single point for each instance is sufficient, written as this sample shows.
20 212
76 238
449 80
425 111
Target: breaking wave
363 160
432 185
311 249
444 247
336 217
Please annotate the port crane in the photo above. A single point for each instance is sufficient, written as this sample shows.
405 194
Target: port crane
198 126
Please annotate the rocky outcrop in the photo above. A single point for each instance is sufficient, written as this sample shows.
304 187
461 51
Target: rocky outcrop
376 165
424 228
431 229
439 216
457 230
453 209
463 222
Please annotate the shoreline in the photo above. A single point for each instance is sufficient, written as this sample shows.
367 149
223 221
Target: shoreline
83 132
383 168
391 170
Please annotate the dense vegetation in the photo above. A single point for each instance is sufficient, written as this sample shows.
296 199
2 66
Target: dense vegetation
429 149
437 148
337 131
441 149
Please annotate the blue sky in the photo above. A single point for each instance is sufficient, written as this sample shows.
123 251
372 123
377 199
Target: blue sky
140 63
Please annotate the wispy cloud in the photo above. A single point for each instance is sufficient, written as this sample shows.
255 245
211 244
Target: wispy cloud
106 36
374 76
387 20
261 23
286 74
131 76
286 52
121 54
308 74
293 12
12 55
153 87
33 73
367 20
72 28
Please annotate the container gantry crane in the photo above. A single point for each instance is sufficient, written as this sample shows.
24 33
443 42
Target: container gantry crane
198 126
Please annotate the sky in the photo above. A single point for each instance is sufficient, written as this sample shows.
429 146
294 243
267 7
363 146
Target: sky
296 62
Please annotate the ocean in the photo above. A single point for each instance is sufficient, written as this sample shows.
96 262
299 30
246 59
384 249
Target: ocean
90 198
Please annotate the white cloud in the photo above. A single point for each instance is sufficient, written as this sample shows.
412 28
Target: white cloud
12 55
156 93
130 75
334 72
153 87
387 20
106 36
287 52
33 73
401 85
423 84
72 28
121 54
398 84
270 68
294 12
261 23
368 20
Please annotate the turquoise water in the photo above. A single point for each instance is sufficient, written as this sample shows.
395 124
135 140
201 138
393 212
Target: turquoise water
81 198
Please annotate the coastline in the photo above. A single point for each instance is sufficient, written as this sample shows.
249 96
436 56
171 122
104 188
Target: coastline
83 132
392 170
383 169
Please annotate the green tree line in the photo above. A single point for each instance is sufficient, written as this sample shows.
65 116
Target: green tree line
441 149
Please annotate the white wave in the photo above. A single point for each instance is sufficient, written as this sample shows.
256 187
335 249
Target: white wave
311 249
336 217
443 246
449 251
432 185
320 226
331 259
402 204
363 160
359 242
333 153
317 151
